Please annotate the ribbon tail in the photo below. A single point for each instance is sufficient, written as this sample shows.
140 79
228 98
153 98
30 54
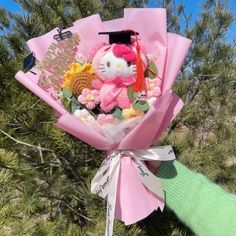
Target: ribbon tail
98 183
162 153
111 201
152 182
101 181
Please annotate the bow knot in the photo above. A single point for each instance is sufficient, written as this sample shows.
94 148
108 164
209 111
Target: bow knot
119 83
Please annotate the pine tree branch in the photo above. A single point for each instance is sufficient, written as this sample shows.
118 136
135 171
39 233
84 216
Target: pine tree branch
7 167
187 18
68 205
39 148
11 168
33 105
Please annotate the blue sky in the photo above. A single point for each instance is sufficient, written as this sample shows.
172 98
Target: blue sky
192 6
10 5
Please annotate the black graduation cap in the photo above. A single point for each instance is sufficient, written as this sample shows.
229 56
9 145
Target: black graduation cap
122 37
29 62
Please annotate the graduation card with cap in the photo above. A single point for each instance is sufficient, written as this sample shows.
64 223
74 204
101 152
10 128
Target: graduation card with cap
110 86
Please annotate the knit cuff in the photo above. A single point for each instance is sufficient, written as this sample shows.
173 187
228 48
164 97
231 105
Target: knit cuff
176 180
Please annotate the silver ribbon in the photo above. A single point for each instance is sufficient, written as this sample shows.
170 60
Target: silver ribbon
104 184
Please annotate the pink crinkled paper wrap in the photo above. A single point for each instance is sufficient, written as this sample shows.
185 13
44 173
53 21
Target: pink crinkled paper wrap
134 200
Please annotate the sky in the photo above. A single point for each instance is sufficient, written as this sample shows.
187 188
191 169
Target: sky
10 5
192 6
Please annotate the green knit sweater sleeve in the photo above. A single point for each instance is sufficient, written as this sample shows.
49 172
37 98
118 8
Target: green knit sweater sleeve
203 206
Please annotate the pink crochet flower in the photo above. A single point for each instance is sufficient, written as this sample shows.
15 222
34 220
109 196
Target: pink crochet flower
104 119
89 98
153 87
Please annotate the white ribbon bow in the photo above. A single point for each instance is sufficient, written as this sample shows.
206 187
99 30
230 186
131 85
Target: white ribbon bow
105 181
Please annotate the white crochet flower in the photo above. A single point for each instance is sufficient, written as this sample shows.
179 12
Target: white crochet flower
84 116
151 101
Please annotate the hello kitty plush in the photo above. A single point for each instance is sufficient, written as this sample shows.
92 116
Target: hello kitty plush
115 66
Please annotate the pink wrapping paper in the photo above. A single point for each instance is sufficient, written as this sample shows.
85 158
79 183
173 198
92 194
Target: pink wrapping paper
134 200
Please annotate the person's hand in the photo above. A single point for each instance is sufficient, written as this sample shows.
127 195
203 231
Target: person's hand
153 166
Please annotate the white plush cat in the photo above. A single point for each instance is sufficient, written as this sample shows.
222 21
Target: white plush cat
116 68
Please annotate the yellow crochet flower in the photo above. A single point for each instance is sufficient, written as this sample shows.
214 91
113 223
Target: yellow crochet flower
131 113
79 77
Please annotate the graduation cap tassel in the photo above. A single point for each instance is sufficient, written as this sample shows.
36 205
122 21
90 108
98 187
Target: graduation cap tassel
139 85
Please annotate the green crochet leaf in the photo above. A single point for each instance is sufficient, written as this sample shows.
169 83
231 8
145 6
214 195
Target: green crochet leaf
67 104
67 92
152 71
74 105
118 114
141 105
131 94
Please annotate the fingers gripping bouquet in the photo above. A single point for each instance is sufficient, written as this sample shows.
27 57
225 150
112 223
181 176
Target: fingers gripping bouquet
110 85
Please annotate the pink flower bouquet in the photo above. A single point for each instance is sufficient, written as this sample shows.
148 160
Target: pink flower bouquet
116 97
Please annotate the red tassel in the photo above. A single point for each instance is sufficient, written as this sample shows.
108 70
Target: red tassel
140 84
